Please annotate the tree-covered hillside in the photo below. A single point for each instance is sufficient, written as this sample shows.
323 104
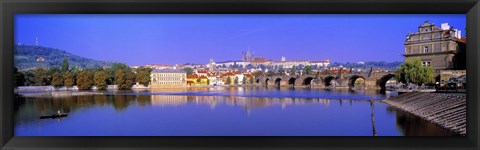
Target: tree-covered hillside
26 58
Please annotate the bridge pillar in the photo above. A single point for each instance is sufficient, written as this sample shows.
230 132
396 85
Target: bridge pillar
299 82
318 83
341 82
371 83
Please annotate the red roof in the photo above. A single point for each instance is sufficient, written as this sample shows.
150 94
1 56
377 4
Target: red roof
247 75
462 40
192 76
446 31
228 74
202 71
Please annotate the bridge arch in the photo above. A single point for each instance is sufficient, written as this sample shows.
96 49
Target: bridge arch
382 82
257 81
353 79
266 81
291 81
307 81
329 80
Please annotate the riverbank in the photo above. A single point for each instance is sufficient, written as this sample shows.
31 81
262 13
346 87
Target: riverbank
58 93
445 109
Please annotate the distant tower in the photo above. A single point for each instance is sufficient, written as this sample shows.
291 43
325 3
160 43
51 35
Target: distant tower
36 40
283 58
243 56
212 64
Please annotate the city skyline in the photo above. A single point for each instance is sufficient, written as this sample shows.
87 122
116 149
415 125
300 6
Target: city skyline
179 39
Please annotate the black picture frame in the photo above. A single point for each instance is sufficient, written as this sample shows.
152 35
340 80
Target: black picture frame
8 8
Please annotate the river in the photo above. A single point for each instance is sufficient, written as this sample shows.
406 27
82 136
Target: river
221 111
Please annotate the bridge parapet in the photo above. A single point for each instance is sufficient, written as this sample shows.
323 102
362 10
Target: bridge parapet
373 80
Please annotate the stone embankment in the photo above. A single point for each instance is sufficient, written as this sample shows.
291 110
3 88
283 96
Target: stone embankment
445 109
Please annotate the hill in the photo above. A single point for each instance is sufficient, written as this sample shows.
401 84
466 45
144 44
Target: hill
28 57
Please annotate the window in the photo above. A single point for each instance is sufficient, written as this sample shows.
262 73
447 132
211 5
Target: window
426 63
425 49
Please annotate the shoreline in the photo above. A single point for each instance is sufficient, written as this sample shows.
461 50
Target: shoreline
444 109
58 93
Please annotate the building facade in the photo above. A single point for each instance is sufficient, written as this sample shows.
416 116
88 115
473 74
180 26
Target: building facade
441 48
168 78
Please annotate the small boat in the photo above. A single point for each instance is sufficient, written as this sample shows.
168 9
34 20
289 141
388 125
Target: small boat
53 116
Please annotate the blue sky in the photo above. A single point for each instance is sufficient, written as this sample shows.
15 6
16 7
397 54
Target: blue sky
172 38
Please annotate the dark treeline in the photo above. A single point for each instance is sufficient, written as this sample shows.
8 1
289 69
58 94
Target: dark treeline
58 76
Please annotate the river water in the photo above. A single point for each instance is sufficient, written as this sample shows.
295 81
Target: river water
220 111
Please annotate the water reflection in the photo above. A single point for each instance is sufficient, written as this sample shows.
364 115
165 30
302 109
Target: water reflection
168 100
166 112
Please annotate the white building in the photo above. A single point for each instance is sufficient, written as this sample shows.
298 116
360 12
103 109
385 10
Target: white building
167 78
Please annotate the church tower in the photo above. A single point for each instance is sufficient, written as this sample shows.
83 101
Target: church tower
248 56
212 64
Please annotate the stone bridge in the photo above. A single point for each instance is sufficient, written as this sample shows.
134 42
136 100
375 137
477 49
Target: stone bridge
346 80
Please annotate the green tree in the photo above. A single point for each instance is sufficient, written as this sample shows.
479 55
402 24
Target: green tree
84 80
293 70
236 80
251 80
244 80
69 79
124 79
143 76
307 70
57 80
97 69
29 78
412 71
112 71
75 71
19 78
188 70
100 80
129 79
229 81
120 78
64 65
199 80
42 78
52 70
208 81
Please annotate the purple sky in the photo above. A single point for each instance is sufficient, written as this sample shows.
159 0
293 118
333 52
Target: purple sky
171 39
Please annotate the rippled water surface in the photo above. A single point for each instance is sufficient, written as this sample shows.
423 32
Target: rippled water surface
232 111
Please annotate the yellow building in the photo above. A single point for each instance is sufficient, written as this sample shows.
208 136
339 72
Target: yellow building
167 78
196 80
